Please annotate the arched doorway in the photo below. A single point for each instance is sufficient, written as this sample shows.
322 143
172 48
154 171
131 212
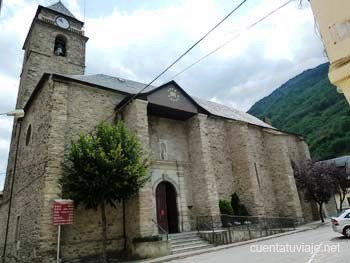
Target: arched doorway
167 215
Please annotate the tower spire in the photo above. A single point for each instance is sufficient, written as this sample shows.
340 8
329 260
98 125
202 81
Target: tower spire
59 7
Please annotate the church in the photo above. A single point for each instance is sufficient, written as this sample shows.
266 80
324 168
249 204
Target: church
201 151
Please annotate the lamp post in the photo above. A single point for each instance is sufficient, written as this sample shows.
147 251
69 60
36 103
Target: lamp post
15 113
19 114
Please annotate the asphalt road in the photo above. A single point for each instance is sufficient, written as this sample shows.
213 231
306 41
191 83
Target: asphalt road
313 246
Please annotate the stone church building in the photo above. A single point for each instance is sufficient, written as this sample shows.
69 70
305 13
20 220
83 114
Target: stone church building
201 151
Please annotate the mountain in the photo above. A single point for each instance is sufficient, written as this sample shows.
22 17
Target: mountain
310 105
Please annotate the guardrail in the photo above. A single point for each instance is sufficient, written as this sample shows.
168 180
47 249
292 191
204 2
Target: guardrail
161 229
219 222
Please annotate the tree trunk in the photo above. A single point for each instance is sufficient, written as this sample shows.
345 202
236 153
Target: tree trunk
341 205
124 224
104 232
342 198
321 212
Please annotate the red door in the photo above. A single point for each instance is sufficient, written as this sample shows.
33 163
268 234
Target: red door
167 215
162 213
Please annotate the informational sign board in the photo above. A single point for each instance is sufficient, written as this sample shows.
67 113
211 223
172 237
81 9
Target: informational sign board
62 215
63 212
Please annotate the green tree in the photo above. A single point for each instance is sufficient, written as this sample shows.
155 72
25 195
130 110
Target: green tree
105 167
342 185
318 181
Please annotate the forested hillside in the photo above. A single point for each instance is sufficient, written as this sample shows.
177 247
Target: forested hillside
310 106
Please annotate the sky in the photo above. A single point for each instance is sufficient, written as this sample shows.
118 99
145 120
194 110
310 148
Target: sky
137 39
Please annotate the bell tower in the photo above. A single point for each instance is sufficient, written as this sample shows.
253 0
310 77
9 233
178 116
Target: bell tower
55 44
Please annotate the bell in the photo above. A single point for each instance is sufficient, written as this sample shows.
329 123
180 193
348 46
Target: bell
59 51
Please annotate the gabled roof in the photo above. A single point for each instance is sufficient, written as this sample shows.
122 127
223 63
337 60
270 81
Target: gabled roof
130 87
224 111
60 8
119 84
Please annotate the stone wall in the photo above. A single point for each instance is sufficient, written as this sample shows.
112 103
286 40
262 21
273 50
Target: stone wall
243 167
220 158
205 194
256 163
298 152
58 113
39 57
27 203
79 108
281 172
173 134
207 159
140 214
174 168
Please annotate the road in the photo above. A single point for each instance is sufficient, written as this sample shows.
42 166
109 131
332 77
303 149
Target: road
313 246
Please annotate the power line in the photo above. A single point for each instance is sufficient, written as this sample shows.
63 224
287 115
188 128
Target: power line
170 66
184 54
231 39
202 38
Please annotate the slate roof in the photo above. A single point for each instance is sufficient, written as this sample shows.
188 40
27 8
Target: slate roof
132 87
60 8
119 84
229 113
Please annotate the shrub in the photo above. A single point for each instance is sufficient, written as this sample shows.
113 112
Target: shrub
225 207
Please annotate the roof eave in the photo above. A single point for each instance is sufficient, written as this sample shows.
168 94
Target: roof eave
45 76
58 13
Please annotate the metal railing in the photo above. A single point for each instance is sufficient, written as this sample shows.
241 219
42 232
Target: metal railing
220 222
161 229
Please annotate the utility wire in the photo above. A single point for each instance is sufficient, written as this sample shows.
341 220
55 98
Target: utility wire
216 49
184 54
231 39
170 66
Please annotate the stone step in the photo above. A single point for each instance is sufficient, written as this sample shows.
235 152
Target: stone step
191 248
183 235
184 241
188 244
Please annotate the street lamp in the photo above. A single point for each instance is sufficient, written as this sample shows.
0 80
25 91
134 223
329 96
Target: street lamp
19 114
15 113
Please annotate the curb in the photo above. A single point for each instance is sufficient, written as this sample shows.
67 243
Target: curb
222 247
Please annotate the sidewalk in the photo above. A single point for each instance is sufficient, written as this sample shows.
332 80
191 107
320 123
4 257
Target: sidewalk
306 227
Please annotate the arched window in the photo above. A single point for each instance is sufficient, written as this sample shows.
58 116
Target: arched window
60 46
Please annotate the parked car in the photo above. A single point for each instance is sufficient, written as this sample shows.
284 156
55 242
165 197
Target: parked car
341 223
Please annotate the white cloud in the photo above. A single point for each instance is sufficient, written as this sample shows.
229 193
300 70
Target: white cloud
138 44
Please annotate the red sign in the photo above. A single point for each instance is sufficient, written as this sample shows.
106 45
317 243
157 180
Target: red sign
63 212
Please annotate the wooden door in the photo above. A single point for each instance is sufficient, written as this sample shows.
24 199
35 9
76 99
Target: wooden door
162 212
173 222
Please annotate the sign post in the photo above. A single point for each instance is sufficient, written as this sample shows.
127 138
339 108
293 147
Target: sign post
62 215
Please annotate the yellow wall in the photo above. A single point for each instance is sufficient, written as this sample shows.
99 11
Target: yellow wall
333 19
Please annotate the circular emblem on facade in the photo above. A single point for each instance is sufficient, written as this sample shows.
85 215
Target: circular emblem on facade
62 22
173 95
